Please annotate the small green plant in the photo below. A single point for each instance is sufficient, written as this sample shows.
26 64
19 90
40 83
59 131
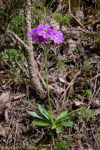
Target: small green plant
60 18
60 62
77 51
97 40
87 114
45 118
88 94
87 64
63 145
98 133
17 24
11 55
11 58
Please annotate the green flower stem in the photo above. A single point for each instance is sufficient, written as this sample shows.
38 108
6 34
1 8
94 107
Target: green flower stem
52 120
53 139
45 59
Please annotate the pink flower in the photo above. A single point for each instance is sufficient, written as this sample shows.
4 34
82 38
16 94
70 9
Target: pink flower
33 34
41 39
44 30
57 36
46 43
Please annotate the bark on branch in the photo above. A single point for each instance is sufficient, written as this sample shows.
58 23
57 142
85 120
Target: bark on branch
37 82
33 69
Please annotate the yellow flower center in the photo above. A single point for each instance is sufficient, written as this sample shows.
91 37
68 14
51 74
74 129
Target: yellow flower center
44 30
41 38
35 33
56 36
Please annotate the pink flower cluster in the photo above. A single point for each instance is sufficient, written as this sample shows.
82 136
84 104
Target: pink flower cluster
43 32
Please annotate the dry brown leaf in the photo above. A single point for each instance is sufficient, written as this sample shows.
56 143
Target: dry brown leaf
56 88
5 97
2 131
6 115
79 103
96 112
63 81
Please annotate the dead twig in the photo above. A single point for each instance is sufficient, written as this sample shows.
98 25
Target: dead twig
70 84
14 146
9 128
76 18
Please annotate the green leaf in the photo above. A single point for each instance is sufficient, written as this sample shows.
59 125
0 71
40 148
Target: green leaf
44 112
88 94
53 126
68 124
73 111
62 116
52 137
40 116
87 64
37 115
59 128
49 54
53 50
40 123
